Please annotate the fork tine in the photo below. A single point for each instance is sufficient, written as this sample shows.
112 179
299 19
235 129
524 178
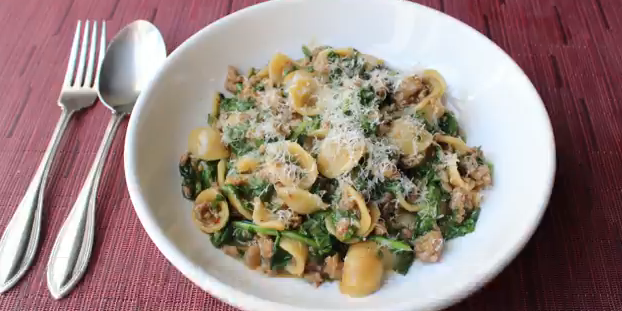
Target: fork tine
88 78
83 47
102 51
71 64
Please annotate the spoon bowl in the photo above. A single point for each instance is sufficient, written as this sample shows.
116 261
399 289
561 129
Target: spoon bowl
131 59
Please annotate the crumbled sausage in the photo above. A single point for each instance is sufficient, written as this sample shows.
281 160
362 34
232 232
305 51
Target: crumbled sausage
252 257
315 278
205 212
468 163
429 247
266 247
342 226
184 159
231 250
412 160
265 268
406 234
233 78
408 91
383 128
380 227
457 203
333 267
482 177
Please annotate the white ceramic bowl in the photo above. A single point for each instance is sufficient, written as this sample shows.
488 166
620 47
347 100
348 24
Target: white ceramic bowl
497 105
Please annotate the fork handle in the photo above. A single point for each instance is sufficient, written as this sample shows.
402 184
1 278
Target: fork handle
19 241
72 249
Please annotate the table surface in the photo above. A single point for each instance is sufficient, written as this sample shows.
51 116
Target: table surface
570 49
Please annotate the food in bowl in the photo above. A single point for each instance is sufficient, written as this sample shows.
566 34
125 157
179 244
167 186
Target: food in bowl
333 167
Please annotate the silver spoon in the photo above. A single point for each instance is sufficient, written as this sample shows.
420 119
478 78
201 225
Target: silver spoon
131 60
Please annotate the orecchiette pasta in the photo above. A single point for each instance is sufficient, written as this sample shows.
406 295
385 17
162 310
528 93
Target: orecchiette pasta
211 211
411 138
277 65
362 270
300 201
335 159
264 218
329 152
299 253
205 143
455 142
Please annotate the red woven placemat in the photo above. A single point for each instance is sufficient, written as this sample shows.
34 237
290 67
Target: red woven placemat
570 49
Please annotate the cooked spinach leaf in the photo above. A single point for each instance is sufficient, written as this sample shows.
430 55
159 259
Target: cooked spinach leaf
236 104
451 229
449 124
222 237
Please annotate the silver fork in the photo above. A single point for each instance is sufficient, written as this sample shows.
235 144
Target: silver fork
18 244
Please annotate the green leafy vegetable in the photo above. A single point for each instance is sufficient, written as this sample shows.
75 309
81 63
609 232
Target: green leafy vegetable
392 244
239 87
315 228
368 127
307 52
402 261
197 175
306 126
239 144
258 187
332 56
367 95
279 259
222 237
451 229
403 255
211 120
259 87
250 227
449 124
236 104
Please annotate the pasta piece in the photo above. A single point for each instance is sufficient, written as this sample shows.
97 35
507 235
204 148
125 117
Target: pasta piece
335 159
300 201
363 270
221 171
299 252
319 133
374 213
433 110
247 164
431 106
276 67
205 143
239 207
371 61
210 214
321 63
455 142
410 138
288 163
264 218
405 205
454 177
351 197
344 52
301 87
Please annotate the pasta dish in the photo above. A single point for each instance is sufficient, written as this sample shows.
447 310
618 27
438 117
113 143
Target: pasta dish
333 167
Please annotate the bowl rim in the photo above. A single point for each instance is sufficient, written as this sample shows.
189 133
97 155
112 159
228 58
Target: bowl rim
246 301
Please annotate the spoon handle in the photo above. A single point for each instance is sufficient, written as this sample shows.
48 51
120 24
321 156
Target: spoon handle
72 249
19 241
